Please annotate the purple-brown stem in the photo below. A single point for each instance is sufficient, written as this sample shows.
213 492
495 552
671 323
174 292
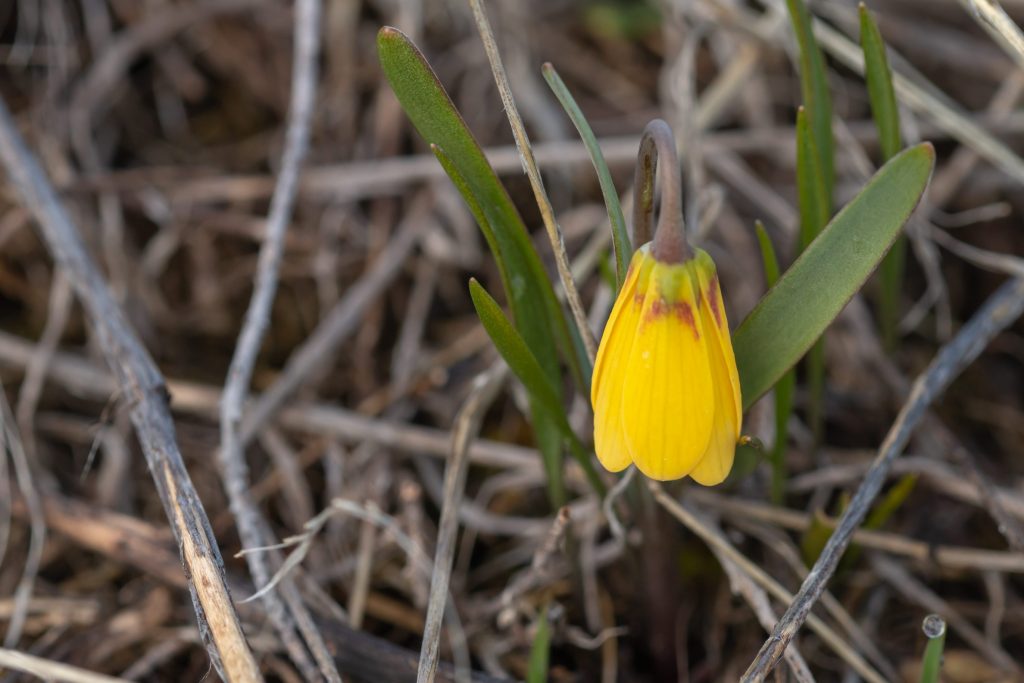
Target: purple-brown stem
670 245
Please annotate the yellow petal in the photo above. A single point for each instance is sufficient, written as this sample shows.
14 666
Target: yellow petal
717 461
609 368
667 397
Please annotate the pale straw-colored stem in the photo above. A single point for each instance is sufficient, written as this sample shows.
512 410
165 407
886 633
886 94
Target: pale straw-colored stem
533 173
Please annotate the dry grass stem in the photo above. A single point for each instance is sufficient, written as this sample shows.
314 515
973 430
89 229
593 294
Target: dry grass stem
143 386
536 182
1002 309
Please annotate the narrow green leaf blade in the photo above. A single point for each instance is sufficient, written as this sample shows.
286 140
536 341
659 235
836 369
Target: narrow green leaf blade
794 313
784 388
544 399
811 190
549 420
517 354
887 120
620 236
814 85
768 257
892 502
537 312
540 650
880 90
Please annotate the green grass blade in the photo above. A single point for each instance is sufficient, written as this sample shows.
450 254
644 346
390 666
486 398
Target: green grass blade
540 650
620 236
891 275
536 311
794 313
814 213
784 388
887 121
814 86
811 189
931 664
768 257
880 90
881 513
892 502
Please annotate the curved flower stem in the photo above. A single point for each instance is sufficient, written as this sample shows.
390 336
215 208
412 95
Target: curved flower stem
670 245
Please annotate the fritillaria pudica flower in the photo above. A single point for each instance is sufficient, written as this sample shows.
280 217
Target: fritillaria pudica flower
665 391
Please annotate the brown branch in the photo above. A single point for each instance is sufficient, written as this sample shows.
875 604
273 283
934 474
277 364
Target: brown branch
142 387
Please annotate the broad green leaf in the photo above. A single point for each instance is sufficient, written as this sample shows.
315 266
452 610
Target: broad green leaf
887 120
784 388
537 670
620 236
814 85
880 90
536 311
544 398
795 312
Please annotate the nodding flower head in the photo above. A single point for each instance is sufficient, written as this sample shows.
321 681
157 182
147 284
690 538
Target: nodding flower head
665 390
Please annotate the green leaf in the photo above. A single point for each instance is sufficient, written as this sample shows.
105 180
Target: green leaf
814 85
881 513
620 236
795 312
811 190
768 257
880 90
785 387
891 276
544 398
815 208
892 502
814 538
537 313
540 651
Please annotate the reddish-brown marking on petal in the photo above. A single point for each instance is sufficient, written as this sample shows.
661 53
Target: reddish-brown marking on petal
684 312
658 308
679 309
713 298
638 298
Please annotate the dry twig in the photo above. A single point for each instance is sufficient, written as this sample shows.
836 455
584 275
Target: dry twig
51 671
143 388
286 611
467 424
536 182
1000 310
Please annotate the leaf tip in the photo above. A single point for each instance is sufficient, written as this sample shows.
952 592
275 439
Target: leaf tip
389 33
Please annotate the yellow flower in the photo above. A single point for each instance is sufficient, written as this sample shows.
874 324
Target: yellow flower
665 392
